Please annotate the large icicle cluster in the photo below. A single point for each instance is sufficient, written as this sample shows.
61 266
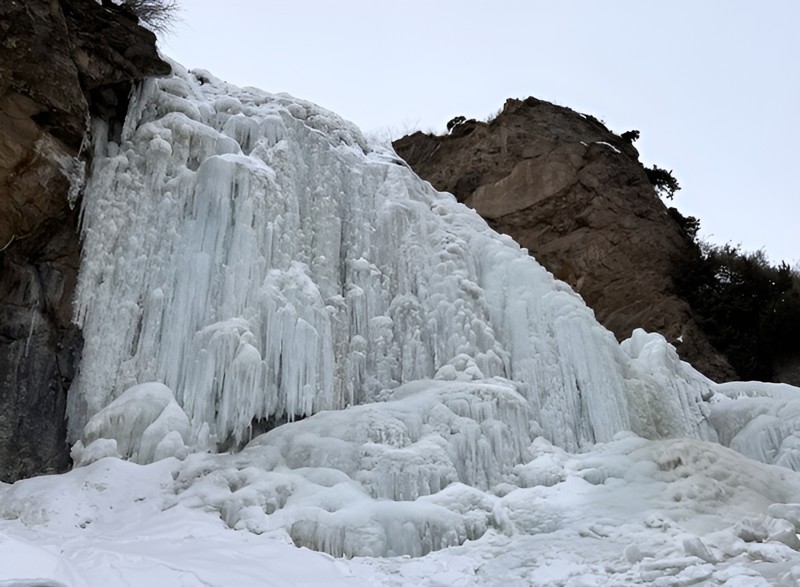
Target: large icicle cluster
250 260
254 254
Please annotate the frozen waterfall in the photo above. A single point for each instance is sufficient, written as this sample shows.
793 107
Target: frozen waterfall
305 366
257 256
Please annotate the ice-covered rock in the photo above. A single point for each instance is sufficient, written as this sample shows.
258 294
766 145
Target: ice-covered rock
787 511
760 420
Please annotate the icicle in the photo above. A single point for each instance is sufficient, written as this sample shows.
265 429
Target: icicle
256 256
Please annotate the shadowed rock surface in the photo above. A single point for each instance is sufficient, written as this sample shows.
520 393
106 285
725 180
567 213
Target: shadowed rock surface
60 61
577 197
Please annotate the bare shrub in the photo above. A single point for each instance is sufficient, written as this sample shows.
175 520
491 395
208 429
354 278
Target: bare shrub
157 15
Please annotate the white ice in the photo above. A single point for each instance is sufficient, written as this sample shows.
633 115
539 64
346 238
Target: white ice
609 145
255 255
144 424
627 512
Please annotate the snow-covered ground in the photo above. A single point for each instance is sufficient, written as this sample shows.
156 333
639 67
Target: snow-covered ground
627 512
439 409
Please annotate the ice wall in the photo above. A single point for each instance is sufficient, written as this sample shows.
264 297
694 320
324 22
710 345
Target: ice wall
253 253
250 260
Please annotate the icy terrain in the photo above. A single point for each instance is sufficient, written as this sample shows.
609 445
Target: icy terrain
437 409
255 255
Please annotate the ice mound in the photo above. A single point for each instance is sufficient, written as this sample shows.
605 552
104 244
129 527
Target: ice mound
672 398
144 424
400 477
760 420
627 512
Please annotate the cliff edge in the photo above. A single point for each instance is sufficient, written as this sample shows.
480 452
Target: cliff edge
61 61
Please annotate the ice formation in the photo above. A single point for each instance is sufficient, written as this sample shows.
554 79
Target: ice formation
144 424
255 255
627 512
759 420
251 263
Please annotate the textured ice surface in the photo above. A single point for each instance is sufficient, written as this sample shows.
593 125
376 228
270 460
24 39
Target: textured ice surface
628 512
255 255
249 260
760 420
400 477
144 424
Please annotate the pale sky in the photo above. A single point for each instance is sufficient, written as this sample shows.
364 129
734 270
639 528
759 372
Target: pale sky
713 85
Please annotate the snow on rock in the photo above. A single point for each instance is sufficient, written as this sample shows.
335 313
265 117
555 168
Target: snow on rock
609 145
789 512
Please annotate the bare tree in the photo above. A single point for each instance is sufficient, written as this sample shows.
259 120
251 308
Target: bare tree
157 15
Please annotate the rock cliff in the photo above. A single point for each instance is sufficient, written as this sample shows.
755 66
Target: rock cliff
576 196
61 61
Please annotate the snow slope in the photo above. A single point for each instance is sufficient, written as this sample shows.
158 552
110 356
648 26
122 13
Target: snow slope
628 512
438 409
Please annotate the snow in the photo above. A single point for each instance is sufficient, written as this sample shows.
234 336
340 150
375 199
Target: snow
609 145
668 512
115 523
304 366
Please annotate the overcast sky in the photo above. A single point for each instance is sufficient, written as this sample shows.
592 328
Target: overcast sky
713 85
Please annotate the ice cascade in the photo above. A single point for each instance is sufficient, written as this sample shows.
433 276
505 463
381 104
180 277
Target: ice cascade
374 370
257 256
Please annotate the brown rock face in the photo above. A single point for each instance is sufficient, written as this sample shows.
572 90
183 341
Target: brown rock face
60 60
575 195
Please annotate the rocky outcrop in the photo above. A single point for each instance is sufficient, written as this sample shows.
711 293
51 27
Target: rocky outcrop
60 61
575 195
